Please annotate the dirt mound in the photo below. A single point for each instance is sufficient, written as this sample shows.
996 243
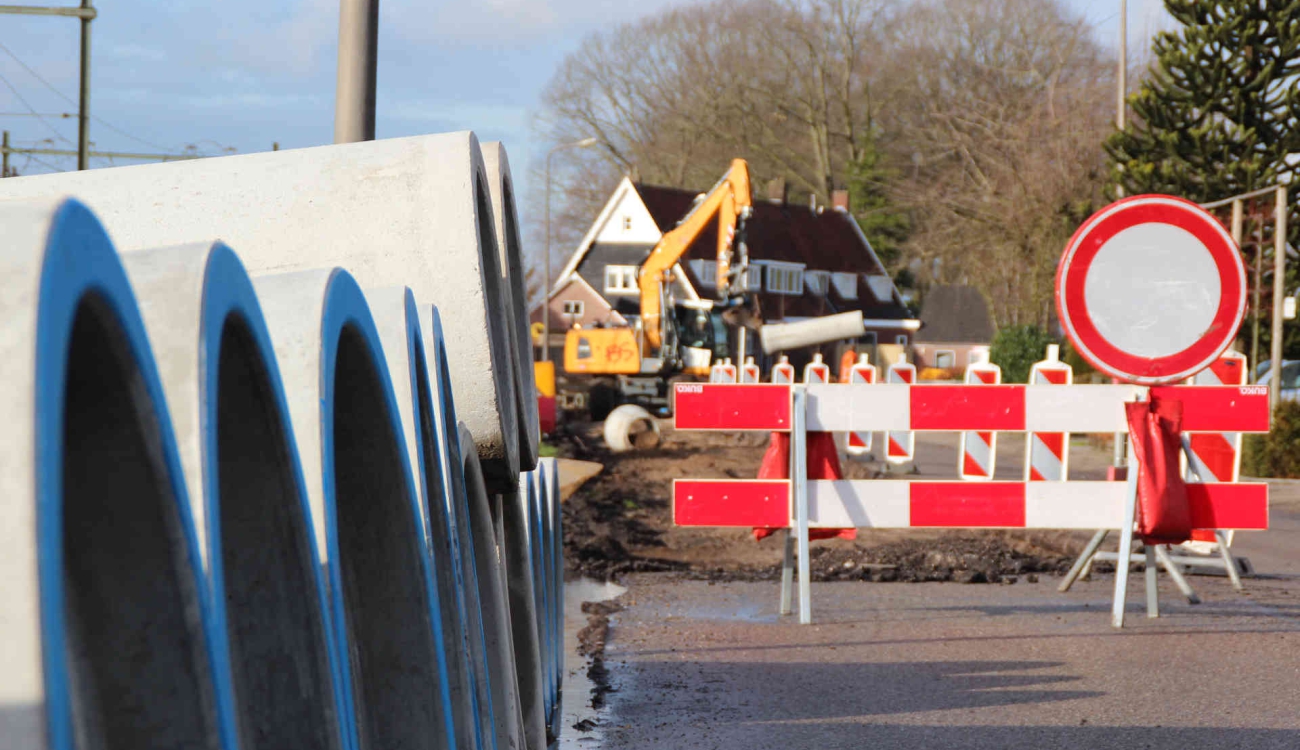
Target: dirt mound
621 521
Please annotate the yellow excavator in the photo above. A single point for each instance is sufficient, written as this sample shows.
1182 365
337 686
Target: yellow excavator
667 339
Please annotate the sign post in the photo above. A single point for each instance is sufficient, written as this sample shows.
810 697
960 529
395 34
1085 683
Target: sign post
1151 290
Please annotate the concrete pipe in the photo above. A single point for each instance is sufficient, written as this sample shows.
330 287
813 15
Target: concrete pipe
550 471
781 336
489 560
541 603
521 580
104 635
365 505
404 341
455 517
539 549
630 427
403 212
502 189
222 382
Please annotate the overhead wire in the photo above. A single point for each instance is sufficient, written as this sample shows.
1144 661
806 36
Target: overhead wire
70 100
32 109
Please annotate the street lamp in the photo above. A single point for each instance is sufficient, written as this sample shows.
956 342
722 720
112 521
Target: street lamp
546 282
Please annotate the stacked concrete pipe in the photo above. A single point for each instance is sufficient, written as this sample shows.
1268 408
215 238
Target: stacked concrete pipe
307 435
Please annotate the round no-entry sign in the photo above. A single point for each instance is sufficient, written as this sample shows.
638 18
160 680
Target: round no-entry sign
1151 289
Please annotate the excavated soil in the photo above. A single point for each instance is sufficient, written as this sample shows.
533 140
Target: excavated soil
620 521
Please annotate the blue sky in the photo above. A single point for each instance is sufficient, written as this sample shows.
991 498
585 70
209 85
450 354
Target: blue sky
242 74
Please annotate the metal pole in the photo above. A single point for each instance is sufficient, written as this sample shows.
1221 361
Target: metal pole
83 108
1279 295
1122 72
1259 280
1122 561
799 475
354 102
546 266
4 155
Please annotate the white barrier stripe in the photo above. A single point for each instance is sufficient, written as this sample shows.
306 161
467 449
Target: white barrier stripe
847 503
1074 504
835 407
1091 408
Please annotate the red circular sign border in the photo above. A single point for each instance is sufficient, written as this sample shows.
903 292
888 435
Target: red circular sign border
1072 273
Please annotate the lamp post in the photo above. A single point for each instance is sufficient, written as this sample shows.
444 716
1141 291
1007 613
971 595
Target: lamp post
546 261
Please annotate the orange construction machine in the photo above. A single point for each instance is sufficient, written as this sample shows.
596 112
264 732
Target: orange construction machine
668 338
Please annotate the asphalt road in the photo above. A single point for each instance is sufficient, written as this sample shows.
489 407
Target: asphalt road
946 665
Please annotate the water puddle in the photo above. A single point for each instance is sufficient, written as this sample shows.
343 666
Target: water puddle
575 703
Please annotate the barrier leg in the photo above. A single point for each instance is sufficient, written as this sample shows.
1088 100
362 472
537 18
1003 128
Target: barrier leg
1122 564
799 468
1228 560
1083 561
1149 573
1176 574
787 572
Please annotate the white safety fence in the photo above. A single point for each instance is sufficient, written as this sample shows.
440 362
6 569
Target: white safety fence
270 475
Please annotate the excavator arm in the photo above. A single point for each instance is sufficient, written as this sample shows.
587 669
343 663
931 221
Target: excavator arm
730 201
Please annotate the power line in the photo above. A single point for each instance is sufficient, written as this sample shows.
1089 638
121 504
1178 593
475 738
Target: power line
30 108
70 100
64 115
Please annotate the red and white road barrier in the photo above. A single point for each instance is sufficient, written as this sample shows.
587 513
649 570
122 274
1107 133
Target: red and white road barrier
1216 456
1047 454
804 504
816 372
900 445
861 372
901 504
978 454
783 372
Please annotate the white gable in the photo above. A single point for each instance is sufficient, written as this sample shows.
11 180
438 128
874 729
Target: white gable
624 219
628 223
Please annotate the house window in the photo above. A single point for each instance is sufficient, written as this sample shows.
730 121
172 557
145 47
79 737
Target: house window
901 339
620 280
818 282
574 307
881 286
945 359
846 284
754 278
785 280
706 271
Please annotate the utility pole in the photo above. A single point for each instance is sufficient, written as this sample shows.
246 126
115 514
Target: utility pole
354 97
83 101
87 14
1279 294
1119 453
4 155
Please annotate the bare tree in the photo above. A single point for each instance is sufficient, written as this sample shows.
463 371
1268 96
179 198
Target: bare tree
1009 105
990 113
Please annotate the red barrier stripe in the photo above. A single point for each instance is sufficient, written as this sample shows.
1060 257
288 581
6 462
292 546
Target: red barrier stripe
1055 377
1216 453
968 505
968 407
1054 442
1228 506
730 503
1220 408
727 406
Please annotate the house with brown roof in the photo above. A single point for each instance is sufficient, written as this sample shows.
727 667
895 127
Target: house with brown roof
955 323
805 260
